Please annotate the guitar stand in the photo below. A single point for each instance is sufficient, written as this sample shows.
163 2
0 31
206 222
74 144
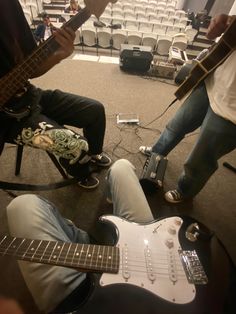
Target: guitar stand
229 166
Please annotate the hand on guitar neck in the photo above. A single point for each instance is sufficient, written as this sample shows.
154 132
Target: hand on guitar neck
65 38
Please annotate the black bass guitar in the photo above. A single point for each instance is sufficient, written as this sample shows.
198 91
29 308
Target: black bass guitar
17 78
173 265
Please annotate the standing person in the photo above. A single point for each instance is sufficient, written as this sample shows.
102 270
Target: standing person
45 112
211 105
37 218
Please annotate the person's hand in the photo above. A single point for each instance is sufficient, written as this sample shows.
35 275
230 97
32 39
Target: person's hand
65 38
217 26
9 306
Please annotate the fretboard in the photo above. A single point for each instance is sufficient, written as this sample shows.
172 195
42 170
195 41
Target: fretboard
85 257
16 78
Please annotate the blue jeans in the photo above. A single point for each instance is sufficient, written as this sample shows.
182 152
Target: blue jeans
30 216
217 137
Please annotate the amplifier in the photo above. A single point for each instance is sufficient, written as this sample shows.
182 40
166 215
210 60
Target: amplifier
163 69
135 58
153 172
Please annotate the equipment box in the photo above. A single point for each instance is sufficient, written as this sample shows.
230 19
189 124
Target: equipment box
135 58
163 69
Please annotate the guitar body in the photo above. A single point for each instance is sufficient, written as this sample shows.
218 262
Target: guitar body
218 54
173 265
135 292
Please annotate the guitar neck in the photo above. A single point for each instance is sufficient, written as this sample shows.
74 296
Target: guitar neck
16 79
84 257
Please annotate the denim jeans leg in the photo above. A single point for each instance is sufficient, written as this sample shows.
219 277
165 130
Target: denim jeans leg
32 217
217 138
126 193
187 119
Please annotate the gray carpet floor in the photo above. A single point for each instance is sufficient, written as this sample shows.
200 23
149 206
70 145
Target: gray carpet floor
120 92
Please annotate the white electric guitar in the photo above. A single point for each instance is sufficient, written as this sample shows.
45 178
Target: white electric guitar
148 259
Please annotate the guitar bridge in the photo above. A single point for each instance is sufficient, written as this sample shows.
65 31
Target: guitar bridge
193 268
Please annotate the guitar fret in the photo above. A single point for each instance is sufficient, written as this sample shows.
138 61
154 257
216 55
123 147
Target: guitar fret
63 254
92 255
67 253
60 247
74 246
9 245
99 256
26 251
82 256
3 239
35 250
50 248
45 249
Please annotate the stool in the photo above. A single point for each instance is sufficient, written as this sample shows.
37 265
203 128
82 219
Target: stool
19 154
229 166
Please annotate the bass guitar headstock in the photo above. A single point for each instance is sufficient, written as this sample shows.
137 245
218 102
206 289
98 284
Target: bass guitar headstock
97 7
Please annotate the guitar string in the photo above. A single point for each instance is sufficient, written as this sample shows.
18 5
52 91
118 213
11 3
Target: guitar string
157 266
16 76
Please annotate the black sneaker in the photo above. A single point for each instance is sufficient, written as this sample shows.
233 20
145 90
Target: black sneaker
174 196
89 183
101 160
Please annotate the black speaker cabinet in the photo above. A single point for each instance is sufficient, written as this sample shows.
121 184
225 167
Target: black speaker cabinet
135 58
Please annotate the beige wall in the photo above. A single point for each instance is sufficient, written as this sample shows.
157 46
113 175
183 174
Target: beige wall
221 7
218 7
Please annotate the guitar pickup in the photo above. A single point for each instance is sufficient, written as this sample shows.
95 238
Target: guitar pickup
193 268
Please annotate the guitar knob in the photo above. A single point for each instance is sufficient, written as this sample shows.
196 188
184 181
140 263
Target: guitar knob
172 230
169 243
178 221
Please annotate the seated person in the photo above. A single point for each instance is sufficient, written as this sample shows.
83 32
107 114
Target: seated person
44 30
41 115
73 7
37 218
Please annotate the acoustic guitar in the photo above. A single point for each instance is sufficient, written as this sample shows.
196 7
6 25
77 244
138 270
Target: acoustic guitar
218 54
17 78
173 265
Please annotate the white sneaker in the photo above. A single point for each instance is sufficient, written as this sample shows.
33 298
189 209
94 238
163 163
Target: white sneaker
173 196
145 150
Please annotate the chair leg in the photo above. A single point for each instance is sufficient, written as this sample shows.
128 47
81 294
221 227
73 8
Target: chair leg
57 164
19 153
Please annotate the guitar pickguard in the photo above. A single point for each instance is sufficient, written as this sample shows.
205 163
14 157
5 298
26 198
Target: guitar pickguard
150 259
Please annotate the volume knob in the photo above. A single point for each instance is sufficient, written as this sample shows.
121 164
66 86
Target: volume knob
169 243
172 230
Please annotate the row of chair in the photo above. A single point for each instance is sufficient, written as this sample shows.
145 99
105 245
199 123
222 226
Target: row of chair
103 38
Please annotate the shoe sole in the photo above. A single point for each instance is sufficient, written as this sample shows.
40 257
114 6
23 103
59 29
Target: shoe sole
89 187
96 163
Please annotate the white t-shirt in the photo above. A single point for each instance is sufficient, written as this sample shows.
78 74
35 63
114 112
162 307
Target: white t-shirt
47 33
221 89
